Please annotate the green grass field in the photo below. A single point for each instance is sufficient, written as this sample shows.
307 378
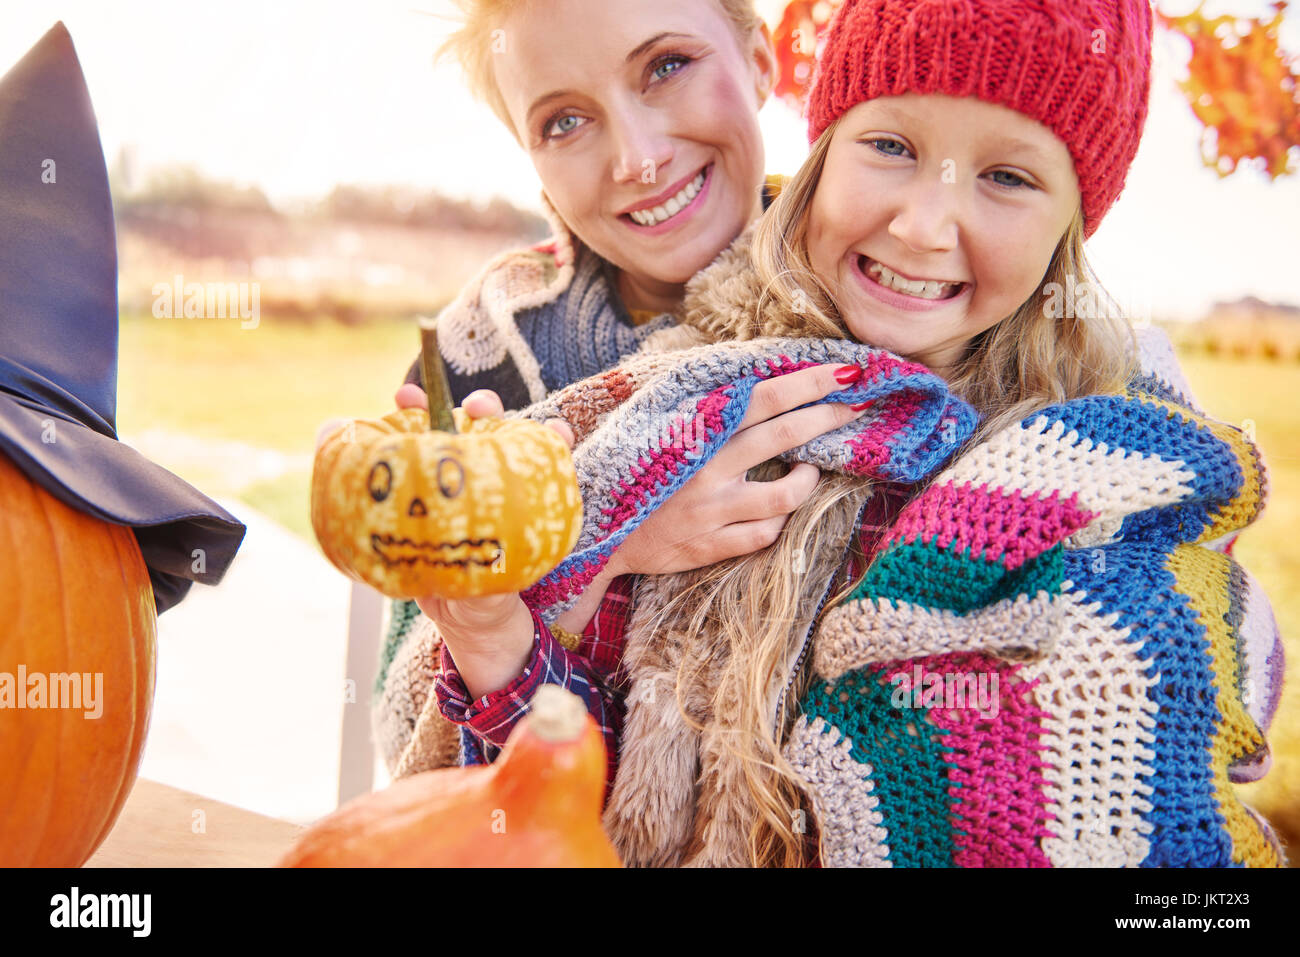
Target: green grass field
271 387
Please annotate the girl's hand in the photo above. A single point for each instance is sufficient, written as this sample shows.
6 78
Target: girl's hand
718 514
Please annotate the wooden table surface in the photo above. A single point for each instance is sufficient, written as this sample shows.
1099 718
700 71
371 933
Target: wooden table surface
159 827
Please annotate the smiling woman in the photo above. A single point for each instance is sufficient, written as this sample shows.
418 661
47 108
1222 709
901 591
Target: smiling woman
641 121
643 133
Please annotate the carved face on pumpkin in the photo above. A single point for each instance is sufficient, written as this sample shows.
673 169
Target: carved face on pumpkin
415 512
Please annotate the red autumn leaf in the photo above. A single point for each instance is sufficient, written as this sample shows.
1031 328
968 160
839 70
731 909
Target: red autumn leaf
1243 88
795 39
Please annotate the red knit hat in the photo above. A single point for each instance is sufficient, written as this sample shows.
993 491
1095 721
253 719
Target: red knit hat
1082 68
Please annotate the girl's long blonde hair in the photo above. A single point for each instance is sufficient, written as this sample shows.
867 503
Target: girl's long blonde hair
1027 362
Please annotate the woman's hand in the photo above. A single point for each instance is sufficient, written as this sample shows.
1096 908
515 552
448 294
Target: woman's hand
479 404
718 514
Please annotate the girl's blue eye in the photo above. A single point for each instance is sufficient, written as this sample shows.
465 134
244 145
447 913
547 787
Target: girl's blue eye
667 66
1012 180
888 147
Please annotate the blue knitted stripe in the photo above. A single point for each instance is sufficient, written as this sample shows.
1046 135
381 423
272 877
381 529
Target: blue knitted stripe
915 451
1158 388
1188 830
1139 426
927 442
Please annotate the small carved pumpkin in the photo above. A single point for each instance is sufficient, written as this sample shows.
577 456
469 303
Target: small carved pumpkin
537 805
417 512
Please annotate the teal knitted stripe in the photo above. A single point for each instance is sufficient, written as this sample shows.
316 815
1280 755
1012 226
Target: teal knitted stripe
402 615
909 773
924 575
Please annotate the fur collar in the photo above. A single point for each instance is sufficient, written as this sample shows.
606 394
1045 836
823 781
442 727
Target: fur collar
681 797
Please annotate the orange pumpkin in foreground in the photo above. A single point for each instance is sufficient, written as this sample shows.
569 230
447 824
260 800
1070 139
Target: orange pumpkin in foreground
75 599
538 806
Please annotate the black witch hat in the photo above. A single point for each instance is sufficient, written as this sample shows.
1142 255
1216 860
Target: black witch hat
58 330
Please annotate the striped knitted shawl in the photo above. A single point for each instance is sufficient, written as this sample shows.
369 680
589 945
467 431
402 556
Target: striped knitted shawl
648 426
1051 661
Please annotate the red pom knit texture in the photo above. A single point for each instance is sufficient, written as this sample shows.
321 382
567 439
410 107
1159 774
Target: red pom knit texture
1080 67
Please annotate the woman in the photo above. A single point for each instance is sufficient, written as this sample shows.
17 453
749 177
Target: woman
645 136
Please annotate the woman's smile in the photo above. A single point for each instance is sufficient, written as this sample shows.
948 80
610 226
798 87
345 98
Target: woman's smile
672 208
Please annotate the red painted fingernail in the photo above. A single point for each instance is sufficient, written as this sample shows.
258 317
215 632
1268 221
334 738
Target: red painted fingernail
860 406
846 374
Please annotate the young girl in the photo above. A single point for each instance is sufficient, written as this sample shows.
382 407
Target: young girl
1039 654
641 120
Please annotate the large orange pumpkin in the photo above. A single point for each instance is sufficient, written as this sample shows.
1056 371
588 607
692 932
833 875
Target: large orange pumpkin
537 806
75 598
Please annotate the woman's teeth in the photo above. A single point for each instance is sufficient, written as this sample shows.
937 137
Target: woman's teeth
920 288
659 214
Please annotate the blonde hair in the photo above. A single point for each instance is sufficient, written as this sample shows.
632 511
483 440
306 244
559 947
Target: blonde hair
1028 361
471 45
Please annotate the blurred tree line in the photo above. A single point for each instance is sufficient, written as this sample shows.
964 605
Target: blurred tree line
183 187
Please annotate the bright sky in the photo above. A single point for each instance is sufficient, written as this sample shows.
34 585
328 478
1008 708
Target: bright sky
298 96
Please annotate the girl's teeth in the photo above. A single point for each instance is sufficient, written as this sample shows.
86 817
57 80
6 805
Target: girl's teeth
920 288
653 217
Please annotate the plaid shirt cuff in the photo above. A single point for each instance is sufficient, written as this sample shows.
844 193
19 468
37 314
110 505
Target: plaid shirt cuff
493 716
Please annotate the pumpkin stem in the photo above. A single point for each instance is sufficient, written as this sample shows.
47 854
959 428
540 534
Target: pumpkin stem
557 715
435 379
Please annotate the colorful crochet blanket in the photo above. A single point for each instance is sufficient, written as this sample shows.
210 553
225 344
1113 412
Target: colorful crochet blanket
645 428
1052 661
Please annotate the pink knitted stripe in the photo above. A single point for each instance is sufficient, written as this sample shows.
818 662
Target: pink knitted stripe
544 594
995 765
871 446
659 466
882 364
876 367
782 366
999 525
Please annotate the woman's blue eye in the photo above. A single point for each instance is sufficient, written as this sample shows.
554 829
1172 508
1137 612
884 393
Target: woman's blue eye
1012 179
562 124
668 66
889 147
